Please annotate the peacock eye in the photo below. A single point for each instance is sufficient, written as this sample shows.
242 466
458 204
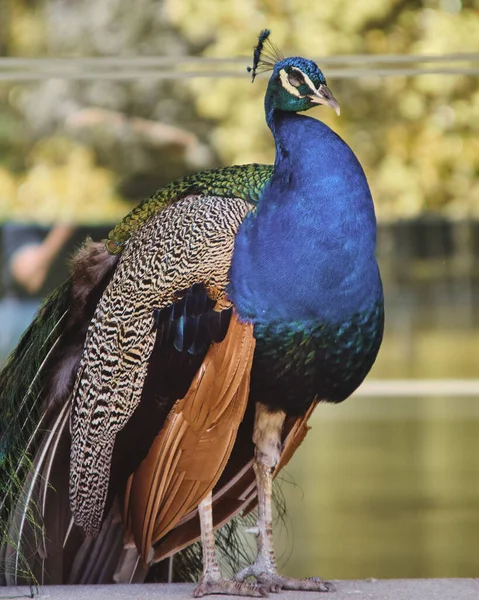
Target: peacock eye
295 79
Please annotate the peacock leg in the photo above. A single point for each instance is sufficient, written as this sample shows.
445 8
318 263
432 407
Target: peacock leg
267 439
211 581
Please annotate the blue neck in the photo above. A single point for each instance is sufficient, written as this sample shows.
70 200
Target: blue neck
307 254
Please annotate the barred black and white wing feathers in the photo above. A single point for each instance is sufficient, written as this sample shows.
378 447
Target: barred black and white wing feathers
186 245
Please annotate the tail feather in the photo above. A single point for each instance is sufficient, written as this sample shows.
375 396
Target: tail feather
30 553
35 385
22 376
97 558
21 418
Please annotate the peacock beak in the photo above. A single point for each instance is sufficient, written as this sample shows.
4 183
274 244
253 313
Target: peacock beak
323 95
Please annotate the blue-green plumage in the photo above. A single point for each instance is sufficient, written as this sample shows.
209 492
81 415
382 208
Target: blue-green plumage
308 360
303 269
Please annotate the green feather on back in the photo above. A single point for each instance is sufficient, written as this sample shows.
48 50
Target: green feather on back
242 181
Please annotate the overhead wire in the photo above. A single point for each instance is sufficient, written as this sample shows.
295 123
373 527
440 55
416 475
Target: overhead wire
187 67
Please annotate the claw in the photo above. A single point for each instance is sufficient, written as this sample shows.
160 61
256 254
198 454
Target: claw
229 587
311 584
274 582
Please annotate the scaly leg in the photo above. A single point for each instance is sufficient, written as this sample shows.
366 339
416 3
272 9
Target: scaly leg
211 581
267 439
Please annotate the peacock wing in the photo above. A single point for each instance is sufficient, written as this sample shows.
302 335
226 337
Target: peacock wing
188 456
144 310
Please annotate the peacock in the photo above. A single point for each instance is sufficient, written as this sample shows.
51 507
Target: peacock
160 390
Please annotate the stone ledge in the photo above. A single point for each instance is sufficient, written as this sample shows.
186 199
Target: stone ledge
382 589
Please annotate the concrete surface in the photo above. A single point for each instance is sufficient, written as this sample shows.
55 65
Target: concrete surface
385 589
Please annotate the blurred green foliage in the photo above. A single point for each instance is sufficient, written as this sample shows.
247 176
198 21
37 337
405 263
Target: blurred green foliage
70 150
417 137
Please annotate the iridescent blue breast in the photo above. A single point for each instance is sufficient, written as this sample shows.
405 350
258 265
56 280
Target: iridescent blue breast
305 361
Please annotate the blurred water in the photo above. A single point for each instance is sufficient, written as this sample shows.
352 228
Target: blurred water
389 487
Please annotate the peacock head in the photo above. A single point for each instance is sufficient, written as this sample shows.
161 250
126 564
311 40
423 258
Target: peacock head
296 84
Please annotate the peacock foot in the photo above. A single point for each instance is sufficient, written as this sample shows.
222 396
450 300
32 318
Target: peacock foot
213 585
272 581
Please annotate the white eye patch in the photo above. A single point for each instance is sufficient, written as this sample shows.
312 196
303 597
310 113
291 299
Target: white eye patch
291 81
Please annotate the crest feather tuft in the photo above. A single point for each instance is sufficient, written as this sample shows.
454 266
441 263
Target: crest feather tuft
265 56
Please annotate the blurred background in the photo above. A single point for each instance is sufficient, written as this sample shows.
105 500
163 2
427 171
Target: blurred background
101 103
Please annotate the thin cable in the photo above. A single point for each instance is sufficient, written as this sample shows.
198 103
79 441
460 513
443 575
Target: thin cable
174 60
188 67
128 75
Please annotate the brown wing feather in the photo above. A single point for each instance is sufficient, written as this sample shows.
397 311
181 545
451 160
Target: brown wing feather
297 430
188 243
189 454
237 495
